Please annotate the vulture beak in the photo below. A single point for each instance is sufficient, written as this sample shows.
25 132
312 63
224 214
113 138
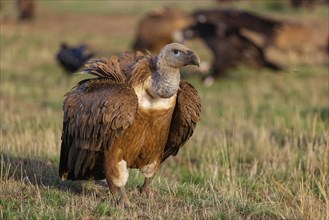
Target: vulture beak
192 58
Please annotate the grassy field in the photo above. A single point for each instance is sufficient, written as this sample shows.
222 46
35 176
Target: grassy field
260 152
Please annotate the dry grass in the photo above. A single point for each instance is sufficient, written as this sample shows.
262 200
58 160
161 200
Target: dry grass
260 152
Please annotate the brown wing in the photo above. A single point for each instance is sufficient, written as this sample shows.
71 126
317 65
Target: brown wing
95 112
186 114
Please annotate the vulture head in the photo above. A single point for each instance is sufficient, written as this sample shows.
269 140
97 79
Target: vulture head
172 57
176 56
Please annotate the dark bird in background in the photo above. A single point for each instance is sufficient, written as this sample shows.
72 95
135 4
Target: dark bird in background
73 58
26 9
134 114
158 27
221 32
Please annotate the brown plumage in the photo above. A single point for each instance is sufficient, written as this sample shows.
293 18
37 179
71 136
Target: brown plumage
135 114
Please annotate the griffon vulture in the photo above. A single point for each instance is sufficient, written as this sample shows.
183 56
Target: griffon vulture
134 114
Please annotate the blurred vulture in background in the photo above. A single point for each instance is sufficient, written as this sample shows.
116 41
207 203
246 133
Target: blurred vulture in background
73 58
26 9
159 27
221 32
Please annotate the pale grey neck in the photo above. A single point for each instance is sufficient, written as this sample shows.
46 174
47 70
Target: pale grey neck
165 81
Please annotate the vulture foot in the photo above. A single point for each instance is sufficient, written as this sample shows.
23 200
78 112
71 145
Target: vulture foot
148 191
146 188
123 201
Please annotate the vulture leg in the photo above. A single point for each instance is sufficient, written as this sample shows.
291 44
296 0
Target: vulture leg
146 188
116 176
124 201
149 172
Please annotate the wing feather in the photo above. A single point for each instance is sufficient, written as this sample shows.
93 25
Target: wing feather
186 114
95 112
117 69
105 68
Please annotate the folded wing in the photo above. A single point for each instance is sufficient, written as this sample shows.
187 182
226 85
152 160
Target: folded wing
186 114
95 112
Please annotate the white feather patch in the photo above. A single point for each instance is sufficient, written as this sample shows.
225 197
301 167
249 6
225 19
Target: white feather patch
123 174
146 101
150 169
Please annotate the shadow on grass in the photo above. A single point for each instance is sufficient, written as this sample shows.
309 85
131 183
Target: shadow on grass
41 172
35 171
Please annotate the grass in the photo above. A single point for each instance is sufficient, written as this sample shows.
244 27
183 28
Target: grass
260 152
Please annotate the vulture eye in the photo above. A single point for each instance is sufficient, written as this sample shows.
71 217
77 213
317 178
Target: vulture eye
175 52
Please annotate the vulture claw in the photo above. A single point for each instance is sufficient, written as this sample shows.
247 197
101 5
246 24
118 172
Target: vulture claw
124 203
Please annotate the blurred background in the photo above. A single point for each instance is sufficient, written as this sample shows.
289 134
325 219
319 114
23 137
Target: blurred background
261 148
272 34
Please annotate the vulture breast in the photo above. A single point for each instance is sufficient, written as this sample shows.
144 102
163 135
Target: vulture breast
140 145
